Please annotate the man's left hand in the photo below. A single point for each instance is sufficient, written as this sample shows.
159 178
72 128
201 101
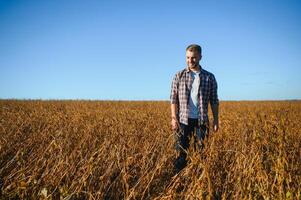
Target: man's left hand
215 126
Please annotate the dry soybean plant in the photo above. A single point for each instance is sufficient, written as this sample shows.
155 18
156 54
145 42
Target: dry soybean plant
125 150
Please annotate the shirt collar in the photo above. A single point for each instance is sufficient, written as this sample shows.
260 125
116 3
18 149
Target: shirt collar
187 70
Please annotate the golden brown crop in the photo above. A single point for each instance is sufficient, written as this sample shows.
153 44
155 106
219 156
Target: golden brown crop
124 150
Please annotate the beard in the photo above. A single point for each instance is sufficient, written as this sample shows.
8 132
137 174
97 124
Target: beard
192 65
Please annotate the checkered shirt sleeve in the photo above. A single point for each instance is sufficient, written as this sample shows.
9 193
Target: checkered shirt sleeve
174 98
213 91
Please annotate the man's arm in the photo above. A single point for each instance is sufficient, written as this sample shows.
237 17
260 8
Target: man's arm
214 102
174 116
214 109
174 110
174 104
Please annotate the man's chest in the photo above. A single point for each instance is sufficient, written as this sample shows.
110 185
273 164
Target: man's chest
189 84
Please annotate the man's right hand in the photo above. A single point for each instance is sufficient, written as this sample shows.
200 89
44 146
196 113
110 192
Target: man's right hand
174 124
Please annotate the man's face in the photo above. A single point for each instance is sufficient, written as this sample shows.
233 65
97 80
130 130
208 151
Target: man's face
192 59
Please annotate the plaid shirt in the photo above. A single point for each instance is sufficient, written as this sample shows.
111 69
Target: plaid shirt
180 92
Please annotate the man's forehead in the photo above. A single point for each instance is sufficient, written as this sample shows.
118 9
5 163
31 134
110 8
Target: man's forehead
192 53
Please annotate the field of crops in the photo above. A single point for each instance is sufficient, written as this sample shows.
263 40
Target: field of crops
125 150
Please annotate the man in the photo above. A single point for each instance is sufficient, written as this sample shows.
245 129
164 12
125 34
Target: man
192 90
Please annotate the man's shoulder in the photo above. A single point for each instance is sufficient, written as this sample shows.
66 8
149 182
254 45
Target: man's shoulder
207 73
180 73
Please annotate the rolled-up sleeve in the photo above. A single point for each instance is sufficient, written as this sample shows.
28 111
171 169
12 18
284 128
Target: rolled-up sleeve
213 92
174 99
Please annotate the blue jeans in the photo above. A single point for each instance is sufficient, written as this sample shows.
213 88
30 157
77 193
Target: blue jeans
183 137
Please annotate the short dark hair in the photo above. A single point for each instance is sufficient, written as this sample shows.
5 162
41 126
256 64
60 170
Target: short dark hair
194 47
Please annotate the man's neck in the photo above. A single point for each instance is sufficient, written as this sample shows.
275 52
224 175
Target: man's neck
196 69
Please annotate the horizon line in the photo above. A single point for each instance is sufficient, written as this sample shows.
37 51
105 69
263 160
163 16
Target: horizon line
53 99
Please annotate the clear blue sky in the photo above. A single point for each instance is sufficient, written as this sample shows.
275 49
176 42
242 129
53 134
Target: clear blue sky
130 50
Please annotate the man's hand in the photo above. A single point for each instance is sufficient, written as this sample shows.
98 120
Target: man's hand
215 126
174 124
214 108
